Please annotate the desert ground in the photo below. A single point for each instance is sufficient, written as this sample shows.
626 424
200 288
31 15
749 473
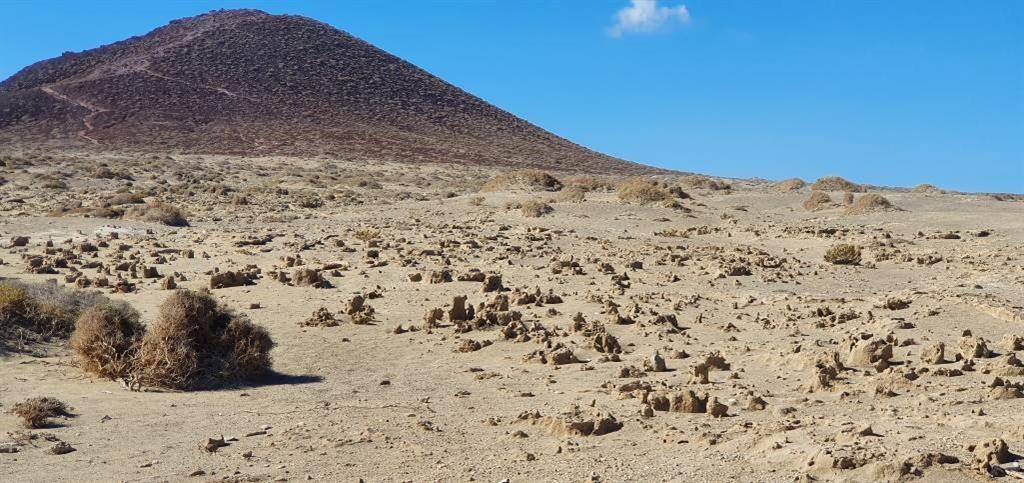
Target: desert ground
451 323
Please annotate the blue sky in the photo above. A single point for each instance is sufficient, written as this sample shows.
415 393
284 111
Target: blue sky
885 92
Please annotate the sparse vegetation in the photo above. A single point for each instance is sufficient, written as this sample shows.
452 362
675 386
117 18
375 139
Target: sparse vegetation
843 254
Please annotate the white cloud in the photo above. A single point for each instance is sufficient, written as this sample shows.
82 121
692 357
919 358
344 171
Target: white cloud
647 16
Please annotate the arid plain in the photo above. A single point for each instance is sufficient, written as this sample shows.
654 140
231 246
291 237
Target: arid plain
460 323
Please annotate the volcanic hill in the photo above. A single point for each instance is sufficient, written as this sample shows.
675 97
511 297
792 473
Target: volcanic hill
246 82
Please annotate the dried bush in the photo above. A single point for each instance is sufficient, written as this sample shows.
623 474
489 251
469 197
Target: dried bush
476 201
847 198
106 339
868 203
642 191
835 183
525 180
843 254
817 201
37 411
158 212
535 208
196 342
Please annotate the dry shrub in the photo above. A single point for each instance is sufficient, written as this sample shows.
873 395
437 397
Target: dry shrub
835 183
38 313
106 339
817 201
196 342
642 191
843 254
477 201
572 194
37 411
535 208
847 198
158 212
791 184
868 203
525 180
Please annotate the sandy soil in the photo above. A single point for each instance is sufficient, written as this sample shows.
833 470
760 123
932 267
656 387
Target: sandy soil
796 348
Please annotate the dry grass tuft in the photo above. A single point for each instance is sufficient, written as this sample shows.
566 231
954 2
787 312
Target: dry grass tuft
835 183
869 203
197 342
106 340
158 212
36 412
843 254
522 180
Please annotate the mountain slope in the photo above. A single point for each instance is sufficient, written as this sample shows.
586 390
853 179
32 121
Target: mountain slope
250 83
